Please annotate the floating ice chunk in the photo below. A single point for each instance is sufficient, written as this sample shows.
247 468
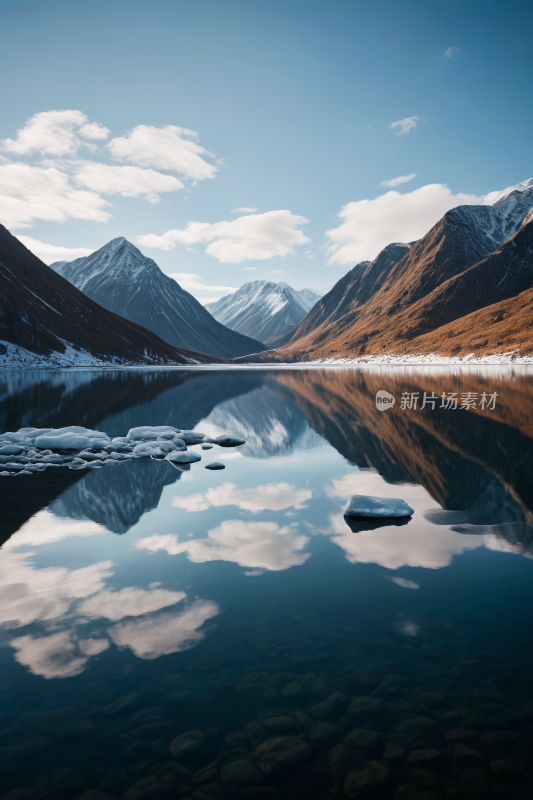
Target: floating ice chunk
179 457
361 505
64 441
98 444
229 441
215 465
11 450
166 447
147 432
145 450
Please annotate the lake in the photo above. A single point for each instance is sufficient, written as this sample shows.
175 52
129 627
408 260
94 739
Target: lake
188 633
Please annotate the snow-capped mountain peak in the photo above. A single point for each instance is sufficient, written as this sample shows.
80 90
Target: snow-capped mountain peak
264 307
123 280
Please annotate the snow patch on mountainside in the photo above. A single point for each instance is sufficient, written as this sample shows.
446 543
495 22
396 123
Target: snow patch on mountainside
14 357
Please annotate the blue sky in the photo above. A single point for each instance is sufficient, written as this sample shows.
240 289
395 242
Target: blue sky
292 103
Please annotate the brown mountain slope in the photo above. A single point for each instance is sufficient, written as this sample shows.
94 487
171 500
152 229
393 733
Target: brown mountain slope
43 313
482 308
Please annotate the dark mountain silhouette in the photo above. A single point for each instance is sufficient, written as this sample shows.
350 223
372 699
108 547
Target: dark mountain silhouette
123 280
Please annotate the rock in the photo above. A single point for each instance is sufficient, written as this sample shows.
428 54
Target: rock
293 689
323 710
123 704
506 770
466 757
393 755
210 791
409 791
428 757
420 722
229 441
360 505
325 733
256 729
390 686
215 465
433 700
207 446
460 735
205 775
150 788
275 755
473 781
186 743
425 777
303 722
371 777
498 738
364 706
179 457
369 743
280 725
357 747
239 774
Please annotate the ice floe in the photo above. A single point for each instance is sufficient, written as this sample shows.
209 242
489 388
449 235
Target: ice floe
31 450
361 505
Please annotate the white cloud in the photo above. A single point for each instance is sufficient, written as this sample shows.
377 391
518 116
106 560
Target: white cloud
169 148
51 252
190 281
269 496
397 181
263 545
54 133
404 125
243 210
28 192
256 236
451 51
369 225
127 181
129 602
164 633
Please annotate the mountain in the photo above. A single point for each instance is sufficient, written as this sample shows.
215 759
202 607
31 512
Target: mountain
44 320
353 290
473 258
124 281
263 309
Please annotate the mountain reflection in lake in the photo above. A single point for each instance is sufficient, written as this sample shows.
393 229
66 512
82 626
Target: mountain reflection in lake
176 634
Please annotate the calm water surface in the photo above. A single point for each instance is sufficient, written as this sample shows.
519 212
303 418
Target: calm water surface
177 634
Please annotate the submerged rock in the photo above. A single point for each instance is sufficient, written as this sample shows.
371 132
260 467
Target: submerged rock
360 505
275 755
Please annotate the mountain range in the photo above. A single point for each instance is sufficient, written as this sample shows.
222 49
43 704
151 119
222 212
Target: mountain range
120 278
263 310
465 287
45 320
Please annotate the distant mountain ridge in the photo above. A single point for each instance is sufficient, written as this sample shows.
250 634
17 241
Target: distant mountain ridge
440 289
120 278
44 320
263 310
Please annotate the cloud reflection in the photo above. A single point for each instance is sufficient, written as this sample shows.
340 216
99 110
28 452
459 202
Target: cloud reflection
268 497
262 545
